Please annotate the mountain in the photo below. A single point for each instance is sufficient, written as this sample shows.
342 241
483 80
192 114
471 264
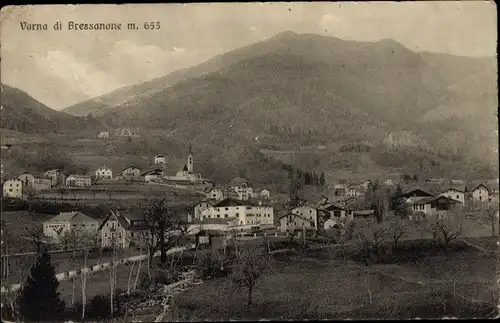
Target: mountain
293 90
21 112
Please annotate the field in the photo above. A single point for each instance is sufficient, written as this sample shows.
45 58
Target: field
321 285
125 192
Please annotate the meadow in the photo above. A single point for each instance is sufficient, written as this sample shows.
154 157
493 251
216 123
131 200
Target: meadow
320 284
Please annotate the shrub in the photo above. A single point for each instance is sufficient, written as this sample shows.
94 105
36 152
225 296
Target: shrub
99 307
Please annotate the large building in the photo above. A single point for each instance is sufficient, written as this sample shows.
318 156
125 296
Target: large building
243 212
57 176
35 182
481 193
69 221
454 193
78 180
13 188
438 206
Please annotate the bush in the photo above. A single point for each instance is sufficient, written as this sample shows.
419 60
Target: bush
98 307
213 265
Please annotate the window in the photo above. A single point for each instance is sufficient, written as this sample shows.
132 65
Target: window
218 215
225 215
227 209
457 196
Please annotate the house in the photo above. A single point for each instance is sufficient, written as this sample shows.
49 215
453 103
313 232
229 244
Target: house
455 193
103 134
152 175
292 222
78 180
333 223
244 191
435 206
265 194
212 239
415 194
124 229
480 193
354 191
104 174
340 190
201 206
35 182
159 159
245 211
57 176
69 221
214 193
13 188
335 211
131 172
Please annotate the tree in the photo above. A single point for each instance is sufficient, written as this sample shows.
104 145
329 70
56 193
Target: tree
248 268
39 299
322 181
36 236
377 197
165 228
398 203
88 242
397 229
446 230
489 213
70 240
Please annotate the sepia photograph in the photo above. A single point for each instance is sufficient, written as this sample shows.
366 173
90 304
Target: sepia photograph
249 161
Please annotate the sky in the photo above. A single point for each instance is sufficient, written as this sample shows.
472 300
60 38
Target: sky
61 68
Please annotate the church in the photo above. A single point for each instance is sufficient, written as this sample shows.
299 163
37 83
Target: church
187 174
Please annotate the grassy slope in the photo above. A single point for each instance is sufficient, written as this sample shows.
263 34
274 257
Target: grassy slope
322 287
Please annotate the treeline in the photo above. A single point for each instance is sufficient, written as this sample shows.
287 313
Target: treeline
305 177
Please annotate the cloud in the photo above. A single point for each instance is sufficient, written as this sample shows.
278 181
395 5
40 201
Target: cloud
328 20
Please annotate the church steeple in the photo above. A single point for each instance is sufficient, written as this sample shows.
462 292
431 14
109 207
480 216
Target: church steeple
190 159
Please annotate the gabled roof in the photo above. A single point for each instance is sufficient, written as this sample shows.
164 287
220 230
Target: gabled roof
159 156
460 189
481 185
229 201
153 172
78 175
435 199
418 192
122 217
75 216
209 201
129 167
332 207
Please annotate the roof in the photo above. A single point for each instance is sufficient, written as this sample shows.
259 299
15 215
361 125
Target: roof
129 168
458 188
363 212
75 216
332 207
209 201
153 172
229 201
77 175
433 200
122 217
416 192
340 186
481 185
161 156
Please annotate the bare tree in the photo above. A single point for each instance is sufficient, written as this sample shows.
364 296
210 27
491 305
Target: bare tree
397 229
446 230
72 241
378 236
36 236
89 241
489 213
248 268
165 227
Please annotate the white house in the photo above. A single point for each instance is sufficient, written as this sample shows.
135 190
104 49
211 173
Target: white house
68 221
454 194
434 206
131 172
159 159
103 134
103 174
244 191
480 193
122 229
265 194
78 180
307 212
201 206
292 222
13 188
244 211
57 176
214 193
152 175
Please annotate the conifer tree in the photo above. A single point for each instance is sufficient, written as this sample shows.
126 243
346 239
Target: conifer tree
322 179
39 299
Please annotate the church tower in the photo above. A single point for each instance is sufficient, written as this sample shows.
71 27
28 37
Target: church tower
190 160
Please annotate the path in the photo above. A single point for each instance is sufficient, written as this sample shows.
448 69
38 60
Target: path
100 267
